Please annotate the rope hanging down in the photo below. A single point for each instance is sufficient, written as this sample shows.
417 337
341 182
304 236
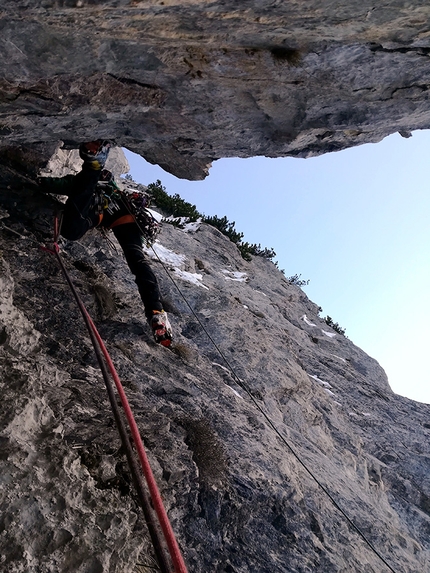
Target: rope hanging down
280 435
166 559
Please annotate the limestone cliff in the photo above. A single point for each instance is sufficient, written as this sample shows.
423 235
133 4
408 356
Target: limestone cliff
238 499
184 82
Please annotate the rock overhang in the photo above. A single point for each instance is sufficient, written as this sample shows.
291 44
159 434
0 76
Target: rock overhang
186 83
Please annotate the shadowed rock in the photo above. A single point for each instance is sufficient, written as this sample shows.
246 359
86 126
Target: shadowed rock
186 83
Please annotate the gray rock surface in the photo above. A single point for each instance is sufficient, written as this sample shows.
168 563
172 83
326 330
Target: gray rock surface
67 162
238 499
186 82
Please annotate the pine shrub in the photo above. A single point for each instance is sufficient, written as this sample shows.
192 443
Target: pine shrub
175 206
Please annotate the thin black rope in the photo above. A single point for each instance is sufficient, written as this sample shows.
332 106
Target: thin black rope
24 237
272 425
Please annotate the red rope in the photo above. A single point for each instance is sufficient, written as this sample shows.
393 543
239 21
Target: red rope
169 536
166 527
55 249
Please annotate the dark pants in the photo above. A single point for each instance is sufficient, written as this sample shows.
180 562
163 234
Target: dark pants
81 215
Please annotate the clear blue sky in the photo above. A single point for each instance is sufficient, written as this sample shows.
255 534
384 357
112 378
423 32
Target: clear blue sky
355 222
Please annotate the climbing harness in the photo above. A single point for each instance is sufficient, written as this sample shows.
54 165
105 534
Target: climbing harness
170 560
136 203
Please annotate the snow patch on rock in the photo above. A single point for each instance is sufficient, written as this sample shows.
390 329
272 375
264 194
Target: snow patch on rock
194 278
235 276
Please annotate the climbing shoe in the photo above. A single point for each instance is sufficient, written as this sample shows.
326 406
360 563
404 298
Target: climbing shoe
161 328
95 153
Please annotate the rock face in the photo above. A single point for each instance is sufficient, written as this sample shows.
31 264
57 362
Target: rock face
186 82
239 499
69 163
256 433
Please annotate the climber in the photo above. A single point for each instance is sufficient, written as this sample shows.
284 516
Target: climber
87 207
